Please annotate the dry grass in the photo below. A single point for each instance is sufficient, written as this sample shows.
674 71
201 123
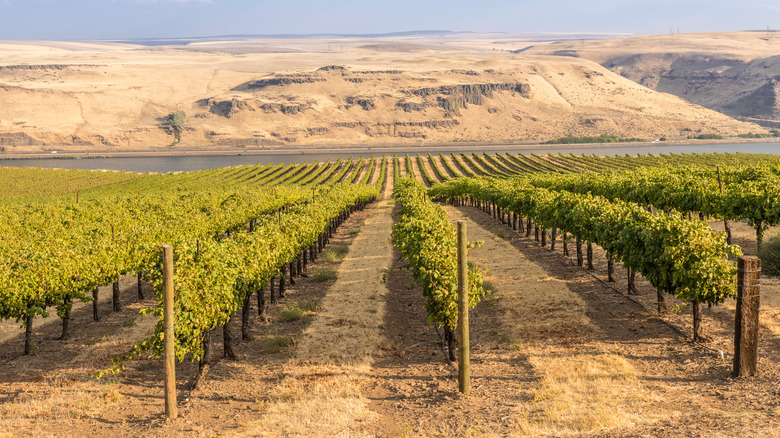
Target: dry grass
321 401
580 392
58 399
347 329
322 391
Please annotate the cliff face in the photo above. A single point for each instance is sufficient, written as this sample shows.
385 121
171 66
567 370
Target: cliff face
732 86
732 73
121 98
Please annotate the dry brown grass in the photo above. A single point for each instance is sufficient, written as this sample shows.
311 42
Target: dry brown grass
119 101
316 401
581 392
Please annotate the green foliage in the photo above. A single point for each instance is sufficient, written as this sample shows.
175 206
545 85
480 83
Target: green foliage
175 122
275 344
291 312
683 257
750 193
770 256
428 241
706 137
335 253
325 274
603 138
752 135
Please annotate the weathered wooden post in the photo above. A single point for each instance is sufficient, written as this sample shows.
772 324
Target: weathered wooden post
725 221
589 254
464 373
95 314
168 346
610 270
139 284
117 305
746 318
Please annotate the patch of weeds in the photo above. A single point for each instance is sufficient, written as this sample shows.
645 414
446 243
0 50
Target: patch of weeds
129 322
325 274
275 344
353 231
506 338
312 306
291 312
335 253
500 234
110 396
488 286
294 311
371 311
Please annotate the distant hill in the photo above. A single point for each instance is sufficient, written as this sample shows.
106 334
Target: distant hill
735 73
276 92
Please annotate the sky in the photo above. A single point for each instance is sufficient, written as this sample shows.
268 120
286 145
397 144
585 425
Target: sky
130 19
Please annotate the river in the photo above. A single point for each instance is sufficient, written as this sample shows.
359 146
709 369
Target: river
189 163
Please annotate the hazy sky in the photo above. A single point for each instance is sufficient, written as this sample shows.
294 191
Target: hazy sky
120 19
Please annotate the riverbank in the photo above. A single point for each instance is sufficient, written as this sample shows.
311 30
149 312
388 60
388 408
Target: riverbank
77 152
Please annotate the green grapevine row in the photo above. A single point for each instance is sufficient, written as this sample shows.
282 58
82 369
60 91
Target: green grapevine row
681 257
429 242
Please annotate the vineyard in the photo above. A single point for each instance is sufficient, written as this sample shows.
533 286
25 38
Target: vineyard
320 298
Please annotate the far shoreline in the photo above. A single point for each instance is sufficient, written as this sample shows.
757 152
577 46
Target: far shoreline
82 152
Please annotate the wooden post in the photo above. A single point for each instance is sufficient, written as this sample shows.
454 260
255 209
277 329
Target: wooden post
464 373
116 303
631 282
589 253
95 314
746 317
725 221
664 308
578 244
696 308
553 236
28 347
168 347
544 237
610 270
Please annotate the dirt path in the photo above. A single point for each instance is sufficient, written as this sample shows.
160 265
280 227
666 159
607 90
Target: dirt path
323 386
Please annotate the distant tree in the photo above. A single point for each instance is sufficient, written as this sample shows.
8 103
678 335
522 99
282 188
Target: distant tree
175 122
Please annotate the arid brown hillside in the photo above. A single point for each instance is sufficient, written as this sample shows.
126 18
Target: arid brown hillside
735 73
279 92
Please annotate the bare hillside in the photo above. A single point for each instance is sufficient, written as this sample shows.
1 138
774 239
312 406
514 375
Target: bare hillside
735 73
276 92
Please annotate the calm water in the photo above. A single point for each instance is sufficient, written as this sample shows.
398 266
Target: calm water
189 163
